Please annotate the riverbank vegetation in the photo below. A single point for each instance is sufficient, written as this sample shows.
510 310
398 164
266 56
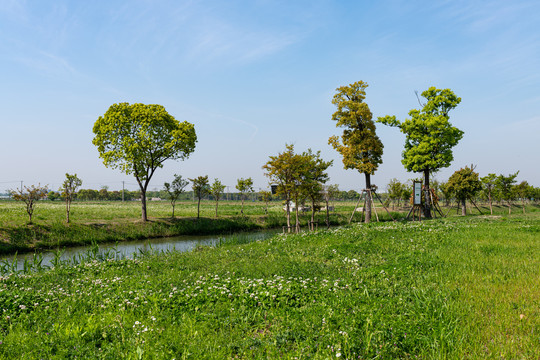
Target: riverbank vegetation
98 222
465 287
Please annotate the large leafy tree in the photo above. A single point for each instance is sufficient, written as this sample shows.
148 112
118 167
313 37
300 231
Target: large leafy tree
244 186
217 190
139 138
429 136
30 197
201 188
69 189
464 184
359 144
175 189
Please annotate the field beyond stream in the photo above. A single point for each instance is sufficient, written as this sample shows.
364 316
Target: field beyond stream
451 288
110 222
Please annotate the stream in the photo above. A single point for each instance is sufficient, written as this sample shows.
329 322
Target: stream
129 249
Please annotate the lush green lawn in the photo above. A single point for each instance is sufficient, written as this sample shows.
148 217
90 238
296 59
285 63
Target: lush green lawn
454 288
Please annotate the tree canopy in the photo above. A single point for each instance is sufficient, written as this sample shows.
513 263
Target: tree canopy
68 189
30 197
359 145
297 176
174 189
284 170
488 184
464 184
139 138
244 186
429 135
200 187
216 190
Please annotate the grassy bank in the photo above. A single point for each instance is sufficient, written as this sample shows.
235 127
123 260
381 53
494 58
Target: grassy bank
115 221
454 288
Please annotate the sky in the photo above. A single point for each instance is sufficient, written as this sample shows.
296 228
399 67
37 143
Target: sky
253 76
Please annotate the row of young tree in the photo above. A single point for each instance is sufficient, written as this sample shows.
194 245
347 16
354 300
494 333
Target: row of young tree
139 138
467 185
31 194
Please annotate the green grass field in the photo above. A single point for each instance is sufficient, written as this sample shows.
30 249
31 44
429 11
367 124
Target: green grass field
442 289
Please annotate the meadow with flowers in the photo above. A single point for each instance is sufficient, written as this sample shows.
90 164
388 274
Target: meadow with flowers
446 288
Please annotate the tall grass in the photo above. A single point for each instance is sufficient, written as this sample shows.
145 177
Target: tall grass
453 288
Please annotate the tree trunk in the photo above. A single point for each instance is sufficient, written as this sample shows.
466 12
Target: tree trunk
216 207
143 197
198 206
427 200
67 210
463 207
297 225
242 211
368 198
288 199
327 215
312 214
288 215
490 203
143 205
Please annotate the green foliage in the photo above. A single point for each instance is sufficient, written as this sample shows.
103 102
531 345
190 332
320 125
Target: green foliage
175 189
464 183
488 188
244 186
201 188
53 195
138 138
297 176
359 145
394 190
430 136
505 186
314 178
30 197
330 192
284 170
216 190
69 189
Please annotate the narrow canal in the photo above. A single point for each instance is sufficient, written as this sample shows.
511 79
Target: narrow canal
129 249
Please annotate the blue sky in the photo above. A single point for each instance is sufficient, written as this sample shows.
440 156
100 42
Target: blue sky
255 75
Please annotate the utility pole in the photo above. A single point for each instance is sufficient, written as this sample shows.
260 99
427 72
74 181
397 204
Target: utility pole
21 186
122 190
